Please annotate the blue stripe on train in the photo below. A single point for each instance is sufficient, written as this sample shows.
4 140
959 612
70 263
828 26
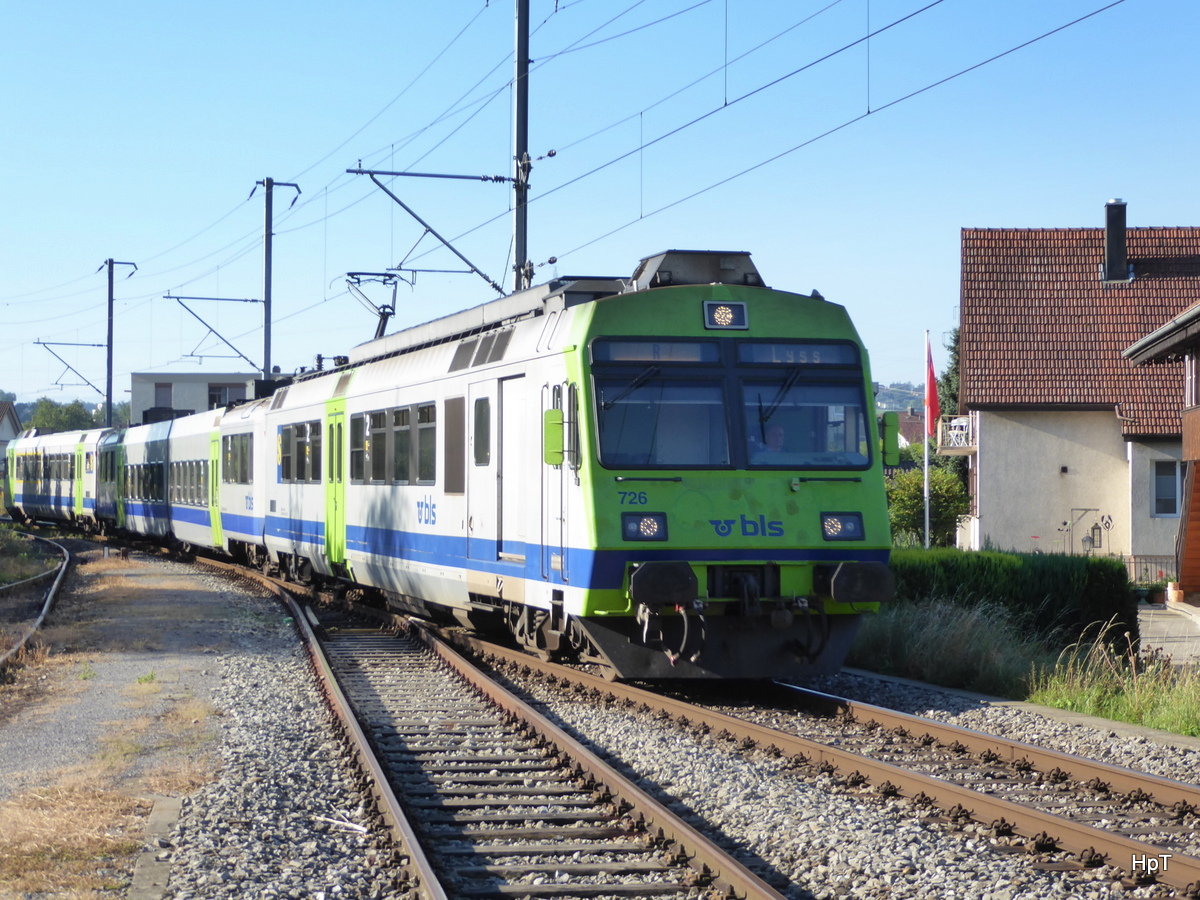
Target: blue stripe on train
595 569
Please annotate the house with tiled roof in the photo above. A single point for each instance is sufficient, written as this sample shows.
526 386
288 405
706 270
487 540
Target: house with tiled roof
1072 449
1178 342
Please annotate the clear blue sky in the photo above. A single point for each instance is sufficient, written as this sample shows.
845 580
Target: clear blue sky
137 130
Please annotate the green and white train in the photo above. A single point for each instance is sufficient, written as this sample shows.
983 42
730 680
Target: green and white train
677 475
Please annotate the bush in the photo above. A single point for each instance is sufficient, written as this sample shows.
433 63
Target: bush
1054 598
948 501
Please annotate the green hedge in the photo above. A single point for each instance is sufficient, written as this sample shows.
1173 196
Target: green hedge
1059 599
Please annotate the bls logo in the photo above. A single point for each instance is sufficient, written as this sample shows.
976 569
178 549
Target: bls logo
759 527
426 512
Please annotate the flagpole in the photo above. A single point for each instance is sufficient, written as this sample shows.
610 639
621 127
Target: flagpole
925 437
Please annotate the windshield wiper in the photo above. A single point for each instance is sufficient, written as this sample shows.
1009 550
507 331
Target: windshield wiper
645 376
788 384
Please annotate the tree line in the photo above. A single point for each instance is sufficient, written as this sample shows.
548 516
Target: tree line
48 416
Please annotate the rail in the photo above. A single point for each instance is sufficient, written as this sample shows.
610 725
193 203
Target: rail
1029 823
58 573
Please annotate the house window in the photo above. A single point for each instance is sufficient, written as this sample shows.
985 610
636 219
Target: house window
1165 490
162 395
223 394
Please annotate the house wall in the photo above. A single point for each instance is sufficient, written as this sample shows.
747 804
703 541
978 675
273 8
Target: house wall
189 391
1152 535
1024 497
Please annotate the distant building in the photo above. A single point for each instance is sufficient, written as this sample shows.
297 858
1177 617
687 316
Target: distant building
156 396
1071 448
10 428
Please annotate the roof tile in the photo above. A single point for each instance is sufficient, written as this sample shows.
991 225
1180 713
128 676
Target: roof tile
1039 328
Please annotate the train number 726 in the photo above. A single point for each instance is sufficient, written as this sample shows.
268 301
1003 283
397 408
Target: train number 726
632 498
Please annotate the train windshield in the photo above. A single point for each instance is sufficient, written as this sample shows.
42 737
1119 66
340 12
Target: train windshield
791 422
747 404
647 420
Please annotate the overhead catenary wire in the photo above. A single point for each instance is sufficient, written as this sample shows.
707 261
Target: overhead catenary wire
255 240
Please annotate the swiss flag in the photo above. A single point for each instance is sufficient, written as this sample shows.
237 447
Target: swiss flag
932 409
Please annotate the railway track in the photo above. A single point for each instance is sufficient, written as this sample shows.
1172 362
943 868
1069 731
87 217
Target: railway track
513 808
487 798
25 604
1067 812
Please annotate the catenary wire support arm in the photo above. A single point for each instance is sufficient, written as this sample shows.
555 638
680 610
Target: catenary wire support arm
470 265
211 330
69 368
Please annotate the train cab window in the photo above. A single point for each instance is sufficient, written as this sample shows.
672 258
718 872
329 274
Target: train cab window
651 421
571 423
426 444
794 423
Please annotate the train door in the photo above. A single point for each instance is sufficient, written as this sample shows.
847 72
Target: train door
514 494
78 480
335 484
214 488
481 471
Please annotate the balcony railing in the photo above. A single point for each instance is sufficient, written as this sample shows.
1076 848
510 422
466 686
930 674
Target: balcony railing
958 435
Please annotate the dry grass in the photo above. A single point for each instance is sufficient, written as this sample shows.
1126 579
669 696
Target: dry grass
76 835
74 838
22 557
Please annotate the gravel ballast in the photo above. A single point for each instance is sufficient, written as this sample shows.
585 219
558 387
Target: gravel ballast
283 816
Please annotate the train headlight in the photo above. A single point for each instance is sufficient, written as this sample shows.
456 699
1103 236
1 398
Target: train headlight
842 526
719 314
644 526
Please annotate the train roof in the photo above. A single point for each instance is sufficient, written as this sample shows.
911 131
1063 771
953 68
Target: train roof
669 268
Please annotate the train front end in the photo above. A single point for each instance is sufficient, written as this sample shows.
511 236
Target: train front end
740 525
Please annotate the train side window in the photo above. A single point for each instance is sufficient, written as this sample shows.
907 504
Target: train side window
426 444
402 445
248 459
238 453
314 449
454 445
358 447
301 457
377 450
285 453
483 431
